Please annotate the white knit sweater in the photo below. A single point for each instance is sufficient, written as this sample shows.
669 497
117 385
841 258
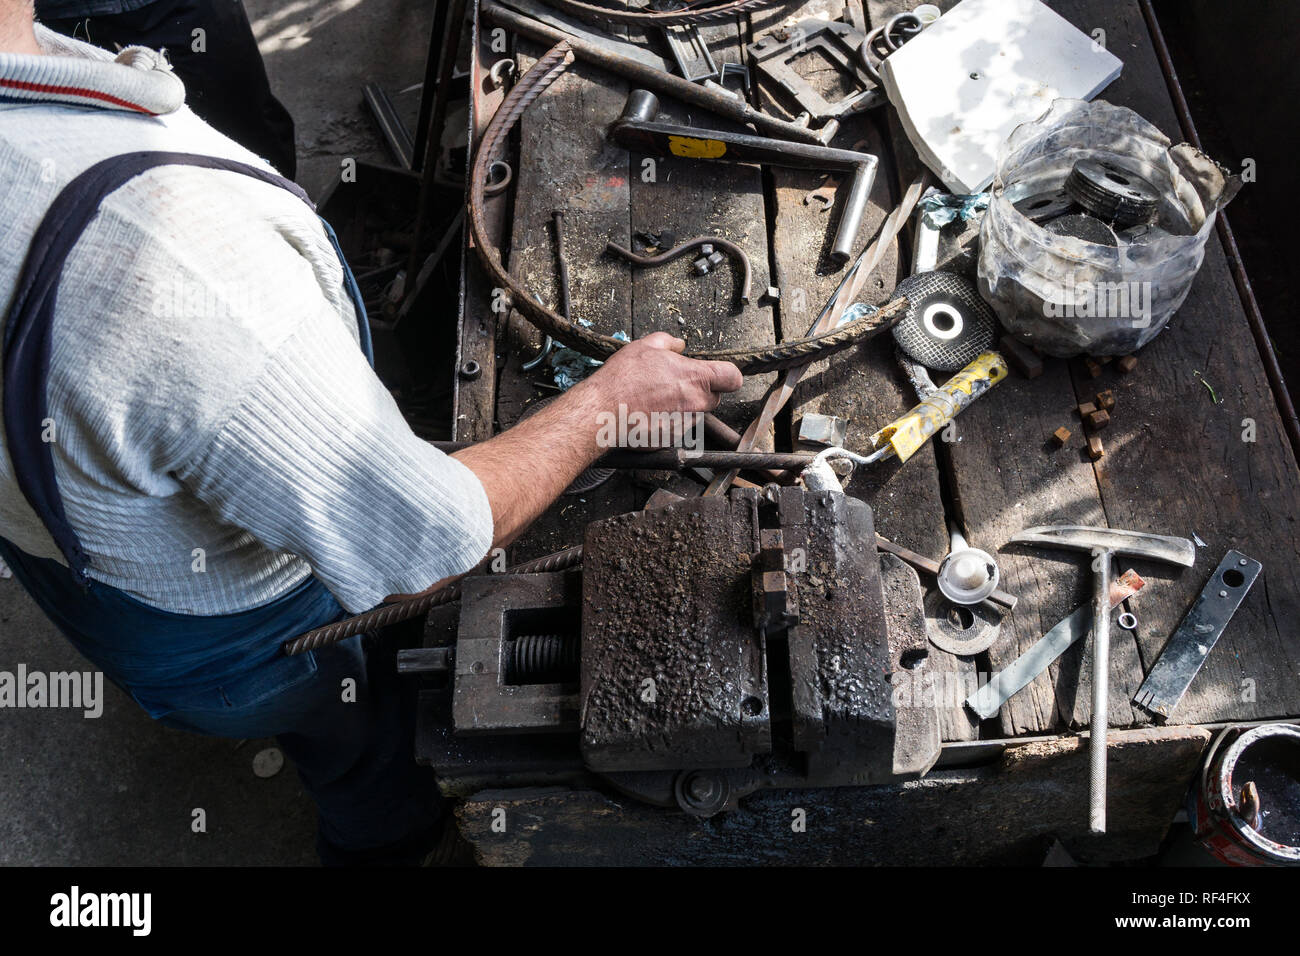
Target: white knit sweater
218 434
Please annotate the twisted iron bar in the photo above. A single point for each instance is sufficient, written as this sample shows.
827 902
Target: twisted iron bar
750 361
662 18
400 611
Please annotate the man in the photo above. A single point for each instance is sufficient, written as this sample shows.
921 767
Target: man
199 462
212 49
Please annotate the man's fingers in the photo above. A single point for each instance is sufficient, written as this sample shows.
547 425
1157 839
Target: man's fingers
662 340
724 377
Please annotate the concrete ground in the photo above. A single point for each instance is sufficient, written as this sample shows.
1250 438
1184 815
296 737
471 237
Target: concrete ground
120 789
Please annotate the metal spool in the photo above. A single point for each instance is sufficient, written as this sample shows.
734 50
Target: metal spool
1112 193
946 324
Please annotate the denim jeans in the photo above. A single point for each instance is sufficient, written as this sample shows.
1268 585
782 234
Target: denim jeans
341 713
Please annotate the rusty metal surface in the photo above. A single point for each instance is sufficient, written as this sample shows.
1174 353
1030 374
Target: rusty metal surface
673 672
496 611
839 655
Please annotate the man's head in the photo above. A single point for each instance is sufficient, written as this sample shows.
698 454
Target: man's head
16 33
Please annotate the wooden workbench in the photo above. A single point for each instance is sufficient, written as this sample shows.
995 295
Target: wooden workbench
1175 462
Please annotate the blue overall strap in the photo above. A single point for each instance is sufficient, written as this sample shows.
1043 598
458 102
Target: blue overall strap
31 318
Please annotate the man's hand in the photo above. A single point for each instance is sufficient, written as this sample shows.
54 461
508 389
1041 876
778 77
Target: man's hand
651 375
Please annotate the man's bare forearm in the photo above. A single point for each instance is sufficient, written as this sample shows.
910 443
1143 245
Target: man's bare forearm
528 466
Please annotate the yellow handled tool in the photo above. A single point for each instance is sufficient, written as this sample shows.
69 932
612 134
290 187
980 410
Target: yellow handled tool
905 435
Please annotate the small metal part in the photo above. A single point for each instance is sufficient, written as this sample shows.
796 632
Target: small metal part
1182 657
922 563
1111 193
503 71
773 294
714 258
706 249
823 431
499 176
960 629
540 357
823 195
1128 621
701 793
471 370
426 660
701 266
737 69
1044 207
690 52
967 575
827 43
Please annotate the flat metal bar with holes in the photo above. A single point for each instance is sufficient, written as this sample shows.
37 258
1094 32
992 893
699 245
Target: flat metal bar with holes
1182 657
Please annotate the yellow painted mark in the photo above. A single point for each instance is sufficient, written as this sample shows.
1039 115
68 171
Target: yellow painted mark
693 148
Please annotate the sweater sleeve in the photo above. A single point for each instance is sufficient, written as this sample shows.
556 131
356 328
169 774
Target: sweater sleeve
317 460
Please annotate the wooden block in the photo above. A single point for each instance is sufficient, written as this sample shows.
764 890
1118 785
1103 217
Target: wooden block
1061 436
1020 357
1093 368
1105 400
1086 409
1098 419
1126 363
1095 450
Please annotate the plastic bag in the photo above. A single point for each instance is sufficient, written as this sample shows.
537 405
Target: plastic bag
1066 296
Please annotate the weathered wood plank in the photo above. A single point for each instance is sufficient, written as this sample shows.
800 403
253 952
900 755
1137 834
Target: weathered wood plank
692 198
566 164
1177 463
1008 812
474 400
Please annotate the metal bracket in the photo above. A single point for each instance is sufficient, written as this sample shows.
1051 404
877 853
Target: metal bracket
1182 657
691 53
833 43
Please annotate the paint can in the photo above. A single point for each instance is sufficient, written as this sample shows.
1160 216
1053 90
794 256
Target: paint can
1245 808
